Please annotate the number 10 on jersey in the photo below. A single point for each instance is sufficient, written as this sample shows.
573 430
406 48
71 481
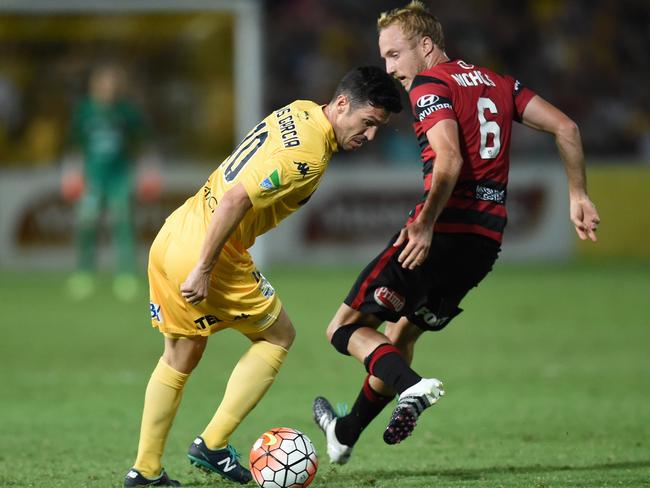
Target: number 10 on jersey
244 151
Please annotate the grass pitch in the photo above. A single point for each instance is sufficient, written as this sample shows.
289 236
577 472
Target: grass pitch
547 375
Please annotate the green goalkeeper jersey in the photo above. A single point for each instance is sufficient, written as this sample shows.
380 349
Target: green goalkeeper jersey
107 135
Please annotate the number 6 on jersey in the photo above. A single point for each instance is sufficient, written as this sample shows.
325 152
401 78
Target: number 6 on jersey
488 127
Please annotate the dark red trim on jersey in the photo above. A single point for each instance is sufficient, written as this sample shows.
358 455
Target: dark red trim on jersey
427 182
381 264
471 216
380 352
522 97
468 229
478 205
468 187
490 216
493 184
427 167
420 80
426 152
414 214
464 196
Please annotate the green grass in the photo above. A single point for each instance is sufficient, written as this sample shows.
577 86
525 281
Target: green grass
547 375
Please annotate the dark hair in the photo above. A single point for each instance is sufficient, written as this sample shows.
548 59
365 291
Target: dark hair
370 85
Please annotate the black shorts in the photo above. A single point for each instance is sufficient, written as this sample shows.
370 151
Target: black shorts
428 295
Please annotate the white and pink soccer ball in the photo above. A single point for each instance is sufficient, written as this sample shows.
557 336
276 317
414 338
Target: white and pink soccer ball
283 458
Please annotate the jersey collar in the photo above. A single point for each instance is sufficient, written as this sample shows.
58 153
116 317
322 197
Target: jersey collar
320 117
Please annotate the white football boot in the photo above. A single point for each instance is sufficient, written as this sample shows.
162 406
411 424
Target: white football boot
412 402
326 418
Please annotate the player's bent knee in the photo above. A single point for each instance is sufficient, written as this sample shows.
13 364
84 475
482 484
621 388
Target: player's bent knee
403 334
288 336
184 354
340 338
331 330
281 332
282 337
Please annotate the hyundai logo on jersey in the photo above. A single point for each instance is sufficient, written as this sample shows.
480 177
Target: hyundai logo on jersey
426 100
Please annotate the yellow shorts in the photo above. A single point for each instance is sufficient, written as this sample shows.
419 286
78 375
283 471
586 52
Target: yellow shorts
239 296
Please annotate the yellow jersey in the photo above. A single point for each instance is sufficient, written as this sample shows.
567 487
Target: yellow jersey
279 163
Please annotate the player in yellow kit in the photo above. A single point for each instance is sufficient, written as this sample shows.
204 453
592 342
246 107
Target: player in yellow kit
202 278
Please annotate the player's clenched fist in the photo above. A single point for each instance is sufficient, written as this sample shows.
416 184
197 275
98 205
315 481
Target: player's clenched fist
196 285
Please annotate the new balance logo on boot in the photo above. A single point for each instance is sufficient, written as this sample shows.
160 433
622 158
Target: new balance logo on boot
224 462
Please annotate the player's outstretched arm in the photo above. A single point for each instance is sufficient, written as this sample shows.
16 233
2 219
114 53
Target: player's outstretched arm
541 115
229 213
443 138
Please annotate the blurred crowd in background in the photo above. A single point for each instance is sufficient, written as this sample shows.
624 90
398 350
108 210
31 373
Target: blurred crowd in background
588 57
178 71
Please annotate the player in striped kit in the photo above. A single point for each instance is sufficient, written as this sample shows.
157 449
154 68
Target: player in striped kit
463 122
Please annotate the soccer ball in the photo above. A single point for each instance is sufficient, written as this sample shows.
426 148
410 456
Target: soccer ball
283 458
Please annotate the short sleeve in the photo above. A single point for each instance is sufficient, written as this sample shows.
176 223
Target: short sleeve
521 96
273 179
430 101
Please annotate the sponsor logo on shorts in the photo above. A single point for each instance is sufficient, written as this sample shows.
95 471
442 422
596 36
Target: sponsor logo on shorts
431 319
206 321
156 313
265 286
267 289
390 299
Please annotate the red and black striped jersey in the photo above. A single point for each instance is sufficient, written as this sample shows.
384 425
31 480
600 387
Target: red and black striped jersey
484 104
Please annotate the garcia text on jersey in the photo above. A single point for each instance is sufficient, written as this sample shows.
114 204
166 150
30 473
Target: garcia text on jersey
287 126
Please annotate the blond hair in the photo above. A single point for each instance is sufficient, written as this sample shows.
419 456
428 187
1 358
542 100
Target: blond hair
416 21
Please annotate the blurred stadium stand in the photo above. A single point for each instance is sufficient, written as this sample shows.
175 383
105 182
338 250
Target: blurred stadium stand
588 57
204 71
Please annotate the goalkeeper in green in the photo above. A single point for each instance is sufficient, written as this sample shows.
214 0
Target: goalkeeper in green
107 130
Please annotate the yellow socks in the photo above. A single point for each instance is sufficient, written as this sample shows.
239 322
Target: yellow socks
251 378
161 401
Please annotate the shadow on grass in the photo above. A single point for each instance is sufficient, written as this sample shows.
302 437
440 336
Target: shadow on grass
330 474
477 473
